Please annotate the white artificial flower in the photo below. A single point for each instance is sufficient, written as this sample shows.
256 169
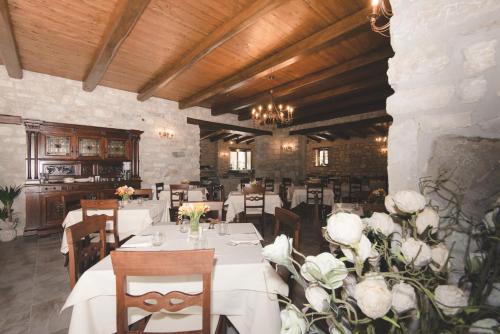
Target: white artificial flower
417 251
325 269
361 252
373 297
280 251
439 256
396 239
428 217
390 205
484 326
489 220
335 330
345 228
450 299
292 321
318 298
381 222
403 297
494 297
409 201
349 285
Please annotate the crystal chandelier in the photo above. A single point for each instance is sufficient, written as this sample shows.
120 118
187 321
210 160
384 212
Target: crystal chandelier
380 9
273 114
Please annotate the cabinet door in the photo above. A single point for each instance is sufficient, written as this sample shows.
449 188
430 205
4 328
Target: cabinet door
117 148
88 147
53 209
58 146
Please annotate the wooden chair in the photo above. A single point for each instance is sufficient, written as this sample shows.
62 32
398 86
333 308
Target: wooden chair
195 183
269 184
336 183
144 193
217 193
286 181
244 182
355 189
112 238
82 252
159 188
163 263
314 201
178 195
254 200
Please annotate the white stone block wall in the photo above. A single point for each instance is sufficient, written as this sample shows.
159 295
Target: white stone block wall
54 99
446 77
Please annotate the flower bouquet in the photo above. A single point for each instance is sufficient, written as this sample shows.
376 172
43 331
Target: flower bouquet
390 273
194 211
124 192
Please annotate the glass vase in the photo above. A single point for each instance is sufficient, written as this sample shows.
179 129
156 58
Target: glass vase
194 229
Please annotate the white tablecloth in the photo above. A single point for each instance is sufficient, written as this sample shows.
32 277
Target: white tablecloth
132 219
244 286
299 195
235 204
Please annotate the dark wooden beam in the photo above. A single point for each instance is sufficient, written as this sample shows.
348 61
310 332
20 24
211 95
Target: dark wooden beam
208 135
335 127
9 119
250 141
231 137
222 34
8 47
327 135
120 25
281 59
244 139
295 85
229 127
219 136
314 138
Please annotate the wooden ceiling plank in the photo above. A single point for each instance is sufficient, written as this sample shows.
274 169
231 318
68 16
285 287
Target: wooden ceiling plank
336 127
314 138
282 58
219 136
8 46
208 135
121 24
223 33
250 141
328 135
228 127
309 79
244 139
231 137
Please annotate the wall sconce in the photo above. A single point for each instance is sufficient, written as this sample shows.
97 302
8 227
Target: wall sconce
288 147
381 139
383 150
165 134
223 154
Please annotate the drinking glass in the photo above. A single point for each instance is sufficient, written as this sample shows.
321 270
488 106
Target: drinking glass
140 200
157 238
184 226
223 228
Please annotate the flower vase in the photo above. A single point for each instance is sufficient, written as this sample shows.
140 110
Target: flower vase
194 229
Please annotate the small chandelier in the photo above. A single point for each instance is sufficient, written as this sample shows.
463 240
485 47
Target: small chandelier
273 114
380 9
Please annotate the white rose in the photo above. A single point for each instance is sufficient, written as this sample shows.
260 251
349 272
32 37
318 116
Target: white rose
345 228
494 297
396 239
373 297
390 205
417 251
450 298
489 220
359 253
403 297
342 330
325 269
439 256
428 217
484 326
292 321
382 223
280 251
409 201
349 285
318 298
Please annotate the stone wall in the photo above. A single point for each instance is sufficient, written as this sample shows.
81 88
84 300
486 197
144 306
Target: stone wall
354 157
49 98
208 153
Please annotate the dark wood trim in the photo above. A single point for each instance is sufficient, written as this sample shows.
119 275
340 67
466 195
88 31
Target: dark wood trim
9 119
244 139
334 127
222 34
208 135
279 60
8 46
121 24
293 86
218 136
35 125
223 126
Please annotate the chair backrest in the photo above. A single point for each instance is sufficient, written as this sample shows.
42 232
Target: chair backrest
254 198
286 181
195 183
178 194
243 182
314 193
288 223
355 188
214 207
145 193
269 184
159 188
82 252
217 192
164 263
103 204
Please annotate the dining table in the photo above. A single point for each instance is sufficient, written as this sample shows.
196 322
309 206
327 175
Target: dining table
133 217
194 195
245 287
235 204
298 194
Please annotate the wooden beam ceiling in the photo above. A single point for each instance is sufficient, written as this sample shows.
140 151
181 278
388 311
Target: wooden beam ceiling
313 78
8 47
314 138
218 136
281 59
228 127
223 33
231 137
339 127
121 23
244 139
209 134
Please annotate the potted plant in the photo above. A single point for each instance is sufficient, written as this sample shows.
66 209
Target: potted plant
7 227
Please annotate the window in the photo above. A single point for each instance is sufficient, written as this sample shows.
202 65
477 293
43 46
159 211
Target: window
321 157
240 159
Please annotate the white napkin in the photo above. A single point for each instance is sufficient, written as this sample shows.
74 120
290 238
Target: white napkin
239 242
139 241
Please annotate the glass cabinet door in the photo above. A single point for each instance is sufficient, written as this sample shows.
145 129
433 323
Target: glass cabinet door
117 148
89 147
58 145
